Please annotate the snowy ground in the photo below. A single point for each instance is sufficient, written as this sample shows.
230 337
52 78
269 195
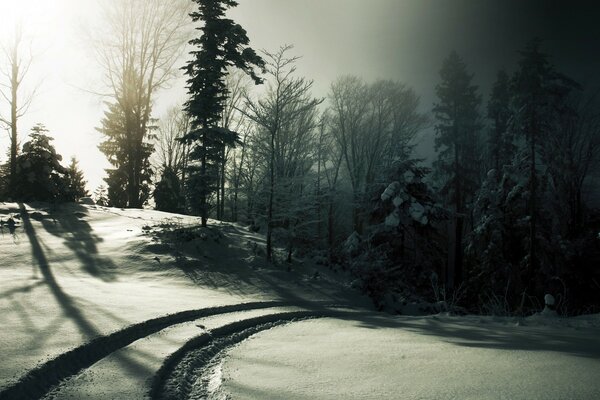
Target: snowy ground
93 306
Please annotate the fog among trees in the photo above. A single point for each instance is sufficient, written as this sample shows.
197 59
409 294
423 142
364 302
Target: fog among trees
496 215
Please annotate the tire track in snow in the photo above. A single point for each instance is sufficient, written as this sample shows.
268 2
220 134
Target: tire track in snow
191 371
38 382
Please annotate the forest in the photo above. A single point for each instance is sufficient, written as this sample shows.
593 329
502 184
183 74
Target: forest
505 212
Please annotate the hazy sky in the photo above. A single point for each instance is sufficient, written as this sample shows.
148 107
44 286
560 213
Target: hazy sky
397 39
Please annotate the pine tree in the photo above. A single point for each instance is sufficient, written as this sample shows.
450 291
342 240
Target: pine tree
456 142
223 43
76 182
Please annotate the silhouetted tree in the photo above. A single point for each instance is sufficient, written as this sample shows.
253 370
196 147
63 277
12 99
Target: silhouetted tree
539 101
501 146
222 44
40 175
457 165
123 154
76 181
167 194
140 43
15 72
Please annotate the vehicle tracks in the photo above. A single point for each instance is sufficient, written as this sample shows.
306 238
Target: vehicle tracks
39 381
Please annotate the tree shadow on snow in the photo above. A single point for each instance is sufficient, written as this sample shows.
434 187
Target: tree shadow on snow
484 333
224 258
69 306
69 224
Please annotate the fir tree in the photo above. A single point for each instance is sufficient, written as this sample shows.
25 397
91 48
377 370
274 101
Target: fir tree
223 44
168 195
101 196
76 182
129 181
456 142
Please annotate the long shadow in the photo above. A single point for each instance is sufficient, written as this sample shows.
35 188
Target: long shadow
463 332
65 301
21 289
69 307
69 224
217 266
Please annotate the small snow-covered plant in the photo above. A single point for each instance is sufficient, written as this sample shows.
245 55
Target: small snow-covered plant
402 246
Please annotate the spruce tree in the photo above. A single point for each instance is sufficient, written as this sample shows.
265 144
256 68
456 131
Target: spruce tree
457 165
500 142
76 182
130 178
222 44
40 175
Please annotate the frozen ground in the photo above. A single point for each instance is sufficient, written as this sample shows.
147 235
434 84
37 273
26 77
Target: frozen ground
93 306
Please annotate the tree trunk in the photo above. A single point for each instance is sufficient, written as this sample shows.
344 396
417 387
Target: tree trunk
330 233
271 193
204 191
14 86
532 206
222 185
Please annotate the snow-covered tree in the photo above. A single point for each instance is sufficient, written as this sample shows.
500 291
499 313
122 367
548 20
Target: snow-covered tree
285 117
402 247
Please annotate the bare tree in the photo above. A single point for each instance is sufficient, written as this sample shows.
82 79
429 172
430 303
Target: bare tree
138 46
171 152
234 119
285 110
15 70
373 125
329 161
572 154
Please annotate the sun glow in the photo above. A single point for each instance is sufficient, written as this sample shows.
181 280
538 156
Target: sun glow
32 15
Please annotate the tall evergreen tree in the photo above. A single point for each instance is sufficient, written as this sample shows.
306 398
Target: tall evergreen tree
539 100
457 166
129 179
222 44
501 147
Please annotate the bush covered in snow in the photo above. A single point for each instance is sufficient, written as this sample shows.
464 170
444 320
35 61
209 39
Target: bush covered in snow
402 247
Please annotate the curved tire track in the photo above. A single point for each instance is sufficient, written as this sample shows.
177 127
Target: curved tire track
38 381
185 374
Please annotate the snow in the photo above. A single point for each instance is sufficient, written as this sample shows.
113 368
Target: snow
390 191
417 212
83 272
414 358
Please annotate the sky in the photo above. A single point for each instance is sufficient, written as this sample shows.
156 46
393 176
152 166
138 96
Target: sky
404 40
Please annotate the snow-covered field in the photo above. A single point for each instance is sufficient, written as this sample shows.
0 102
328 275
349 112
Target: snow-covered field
93 306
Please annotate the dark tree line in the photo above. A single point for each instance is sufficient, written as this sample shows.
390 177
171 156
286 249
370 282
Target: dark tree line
500 218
